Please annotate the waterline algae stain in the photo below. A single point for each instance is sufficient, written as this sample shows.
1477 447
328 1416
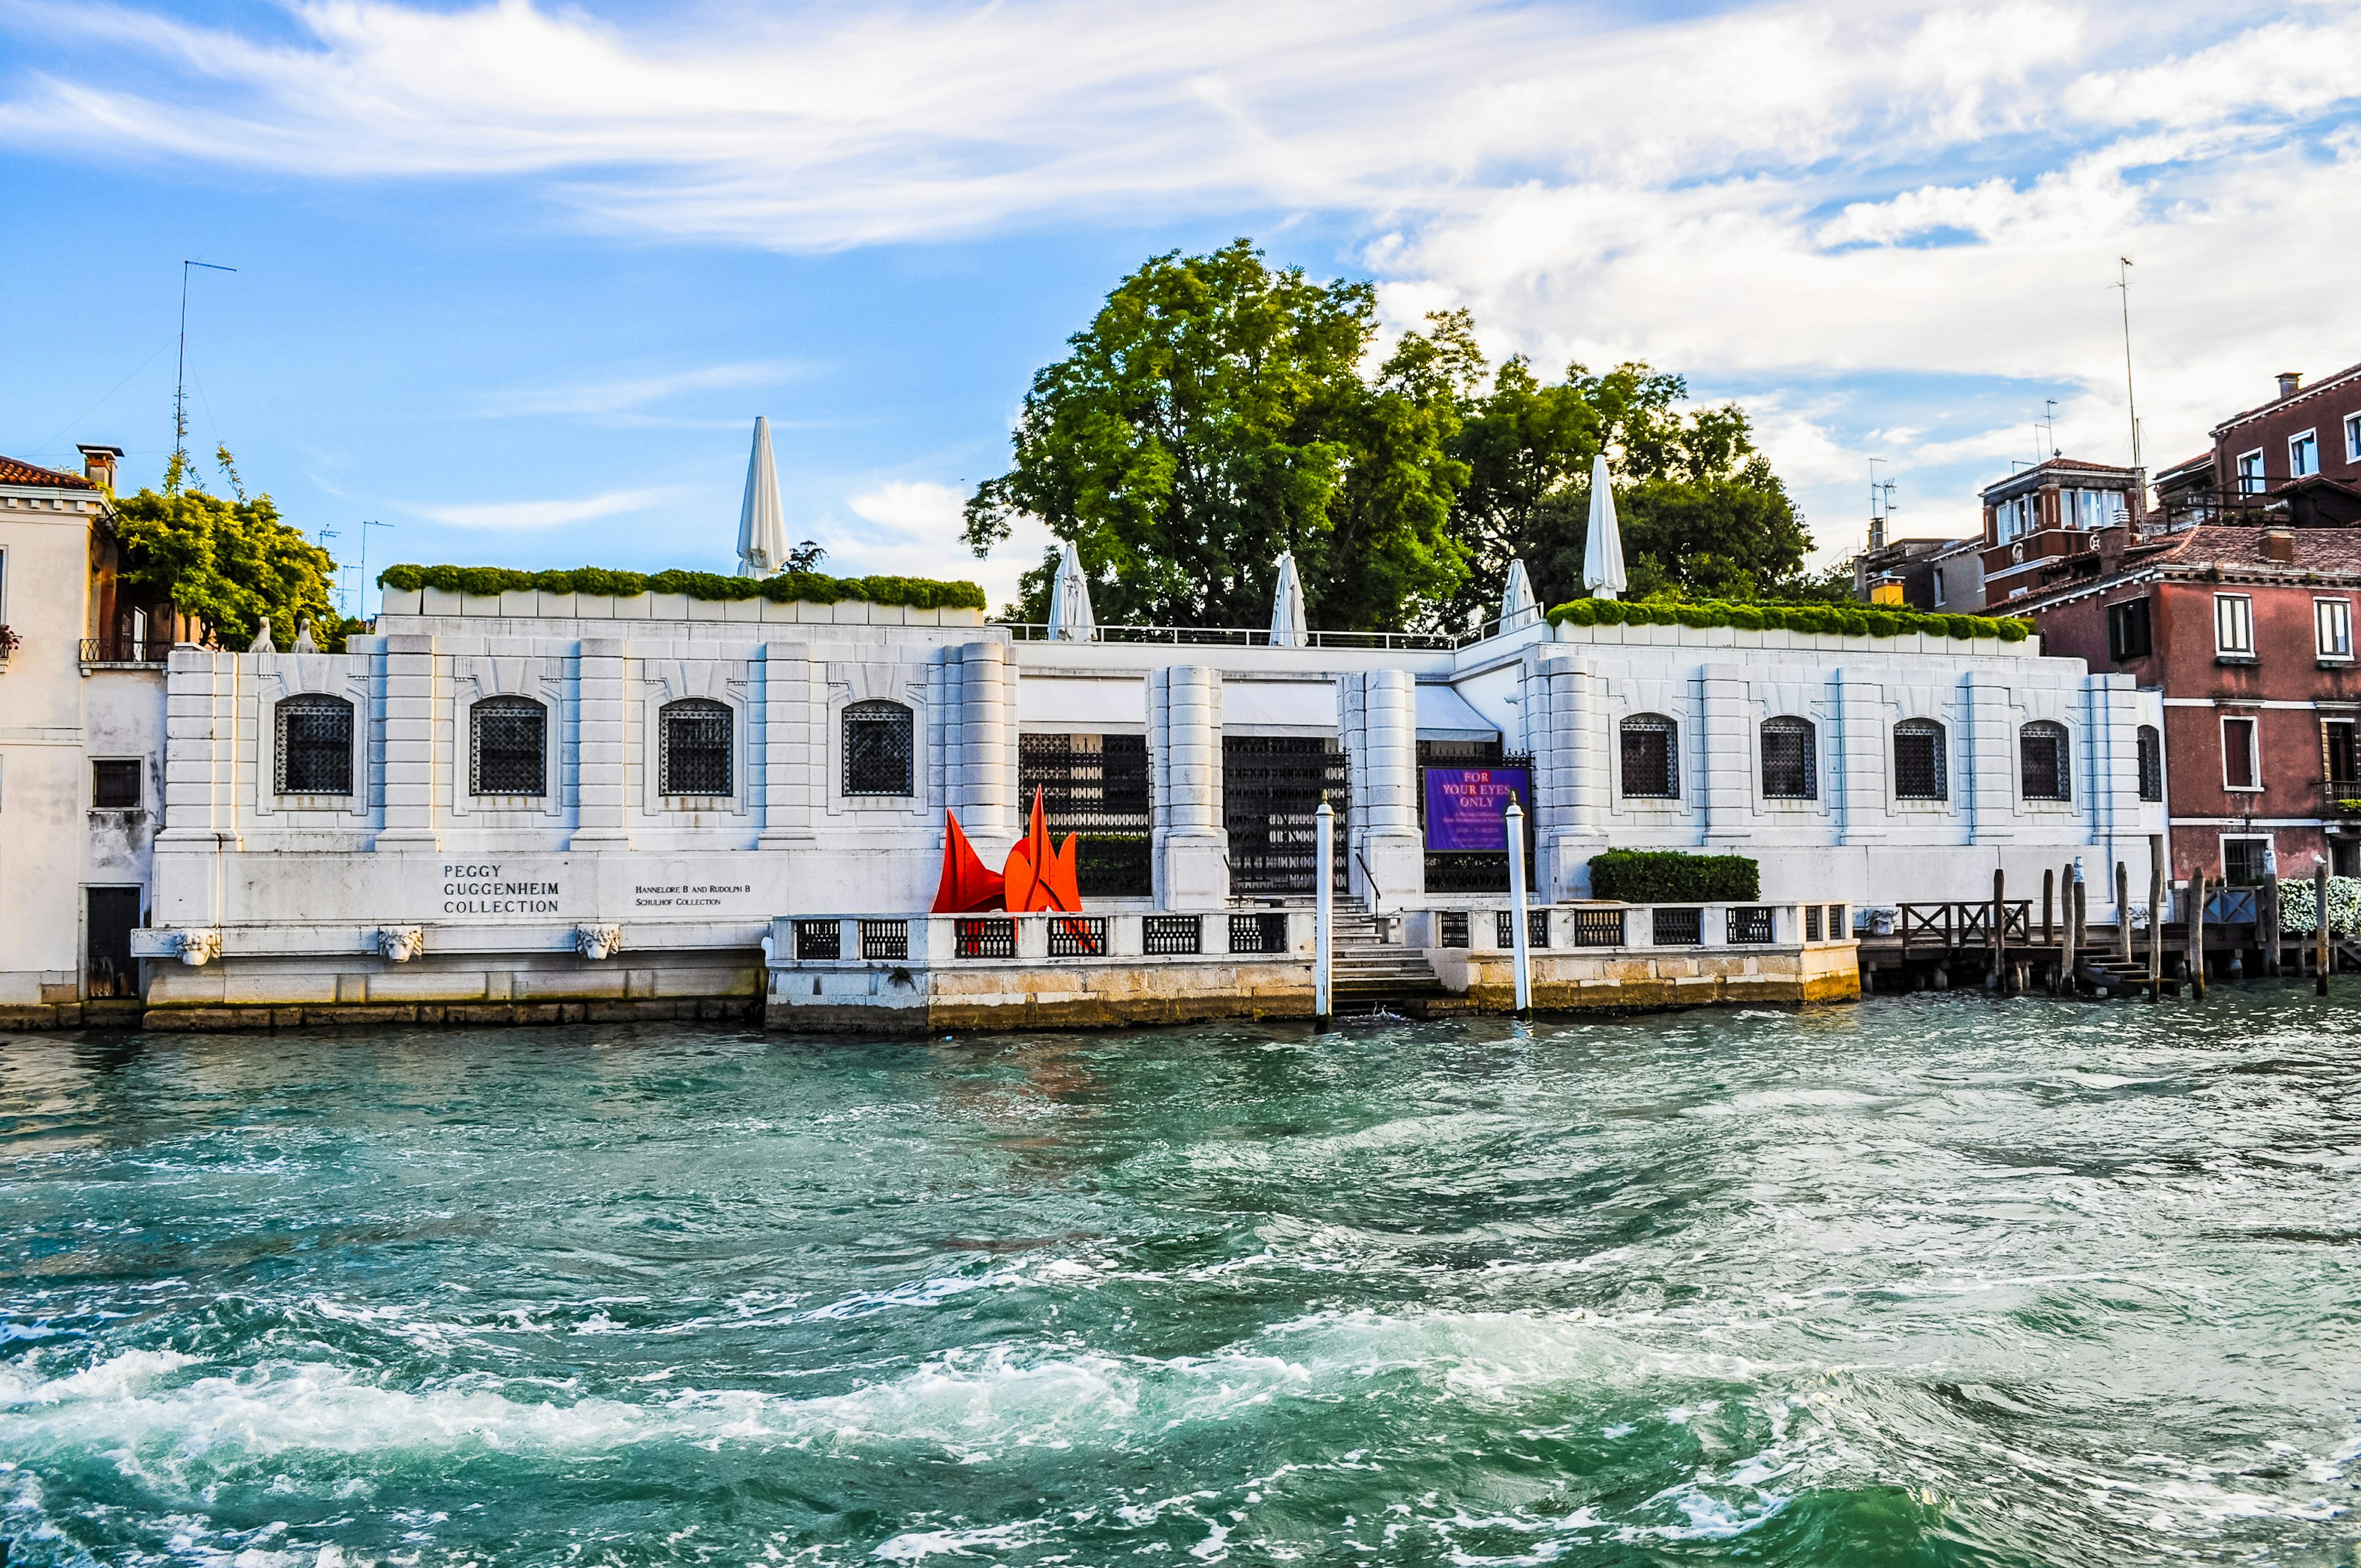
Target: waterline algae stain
1945 1282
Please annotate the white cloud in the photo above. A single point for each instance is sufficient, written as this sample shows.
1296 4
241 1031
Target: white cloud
544 513
623 398
914 531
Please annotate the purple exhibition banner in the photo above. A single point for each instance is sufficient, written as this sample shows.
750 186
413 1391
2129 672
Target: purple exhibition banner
1464 805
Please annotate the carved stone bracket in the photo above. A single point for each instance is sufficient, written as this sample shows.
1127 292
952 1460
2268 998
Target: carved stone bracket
399 944
200 947
596 942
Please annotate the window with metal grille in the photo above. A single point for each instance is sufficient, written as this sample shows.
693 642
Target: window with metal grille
1258 933
2151 762
1837 923
1504 929
2127 631
1750 923
1451 928
694 748
1791 763
886 940
1599 928
1095 788
1679 928
1811 922
2042 761
114 786
1921 769
1649 754
1271 788
2244 860
508 743
984 938
880 744
315 746
1078 937
1164 935
820 940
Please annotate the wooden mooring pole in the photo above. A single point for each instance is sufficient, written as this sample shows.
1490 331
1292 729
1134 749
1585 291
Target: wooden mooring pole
2124 912
2158 891
2197 935
2267 923
1999 930
2071 960
2323 955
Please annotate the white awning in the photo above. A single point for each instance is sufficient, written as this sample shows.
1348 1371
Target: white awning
1444 714
1279 708
1063 705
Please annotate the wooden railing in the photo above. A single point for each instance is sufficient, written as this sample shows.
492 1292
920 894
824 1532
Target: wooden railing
1961 923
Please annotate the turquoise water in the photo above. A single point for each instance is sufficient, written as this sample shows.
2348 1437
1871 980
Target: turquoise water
1938 1280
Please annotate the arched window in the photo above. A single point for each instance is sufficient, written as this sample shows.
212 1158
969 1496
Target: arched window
1921 772
1791 763
878 749
693 749
315 746
508 742
1649 758
2042 761
2151 762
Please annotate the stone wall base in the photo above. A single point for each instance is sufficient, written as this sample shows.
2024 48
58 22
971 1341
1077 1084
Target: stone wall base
475 1014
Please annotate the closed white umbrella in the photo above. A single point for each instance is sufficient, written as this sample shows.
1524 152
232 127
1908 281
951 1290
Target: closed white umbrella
1287 628
1070 620
762 524
1602 549
1518 607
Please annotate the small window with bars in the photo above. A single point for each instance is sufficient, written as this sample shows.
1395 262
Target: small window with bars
694 749
1599 928
1791 769
1750 923
1811 922
1164 936
818 940
984 938
1921 772
1649 758
2151 762
508 746
116 785
1451 928
315 746
1504 929
1679 928
880 746
886 940
1838 929
2245 861
1258 933
2042 761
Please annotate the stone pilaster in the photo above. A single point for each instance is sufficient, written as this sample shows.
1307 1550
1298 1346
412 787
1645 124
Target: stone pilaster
1379 712
1863 754
790 772
409 744
1987 729
600 739
1184 737
983 762
199 762
1727 794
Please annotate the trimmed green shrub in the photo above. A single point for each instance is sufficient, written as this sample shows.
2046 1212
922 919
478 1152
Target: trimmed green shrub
1670 876
1815 618
788 588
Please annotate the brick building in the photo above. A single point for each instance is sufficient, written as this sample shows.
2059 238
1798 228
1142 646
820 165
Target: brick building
2036 518
2294 461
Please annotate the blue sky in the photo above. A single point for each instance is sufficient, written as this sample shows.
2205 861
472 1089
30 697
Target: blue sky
515 278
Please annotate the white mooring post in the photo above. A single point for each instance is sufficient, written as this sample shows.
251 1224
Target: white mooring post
1323 915
1517 923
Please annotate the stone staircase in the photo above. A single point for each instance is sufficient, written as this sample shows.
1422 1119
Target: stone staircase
1372 976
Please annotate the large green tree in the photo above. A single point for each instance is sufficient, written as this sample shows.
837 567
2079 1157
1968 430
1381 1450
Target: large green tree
1217 414
227 563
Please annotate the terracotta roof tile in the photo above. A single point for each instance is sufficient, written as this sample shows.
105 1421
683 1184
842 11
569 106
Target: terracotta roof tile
15 473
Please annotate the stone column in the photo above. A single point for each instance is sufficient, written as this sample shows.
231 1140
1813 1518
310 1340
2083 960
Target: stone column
1184 736
983 771
1567 773
1380 724
1728 797
409 744
789 769
599 773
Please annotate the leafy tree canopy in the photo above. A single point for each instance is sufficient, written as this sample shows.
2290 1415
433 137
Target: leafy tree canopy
227 563
1215 415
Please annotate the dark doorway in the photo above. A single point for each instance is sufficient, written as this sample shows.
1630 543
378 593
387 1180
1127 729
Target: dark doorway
114 915
1271 786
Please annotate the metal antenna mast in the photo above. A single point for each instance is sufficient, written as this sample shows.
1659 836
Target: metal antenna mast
2123 286
181 377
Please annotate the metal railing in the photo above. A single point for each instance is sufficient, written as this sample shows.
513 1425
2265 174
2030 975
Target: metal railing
126 650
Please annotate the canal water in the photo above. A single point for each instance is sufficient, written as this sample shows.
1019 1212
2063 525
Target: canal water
1931 1280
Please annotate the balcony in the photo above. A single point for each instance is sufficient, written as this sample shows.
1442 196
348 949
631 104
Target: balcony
2340 797
125 652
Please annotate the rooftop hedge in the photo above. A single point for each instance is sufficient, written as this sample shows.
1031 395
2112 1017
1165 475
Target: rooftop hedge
1844 619
788 588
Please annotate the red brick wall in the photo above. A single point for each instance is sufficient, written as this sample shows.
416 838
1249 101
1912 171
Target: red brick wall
2270 429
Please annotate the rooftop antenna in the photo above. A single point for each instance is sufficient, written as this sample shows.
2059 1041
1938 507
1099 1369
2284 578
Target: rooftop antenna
2047 425
364 576
1879 511
2124 285
181 382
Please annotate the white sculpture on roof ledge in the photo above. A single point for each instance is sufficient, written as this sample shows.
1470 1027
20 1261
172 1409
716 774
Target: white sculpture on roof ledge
761 522
1070 620
1518 607
1287 620
1602 548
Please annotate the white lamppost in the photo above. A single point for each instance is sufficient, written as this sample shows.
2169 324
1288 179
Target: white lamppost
1520 946
1323 915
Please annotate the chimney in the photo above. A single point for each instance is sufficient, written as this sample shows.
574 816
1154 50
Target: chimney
2109 542
2278 545
2290 383
98 465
